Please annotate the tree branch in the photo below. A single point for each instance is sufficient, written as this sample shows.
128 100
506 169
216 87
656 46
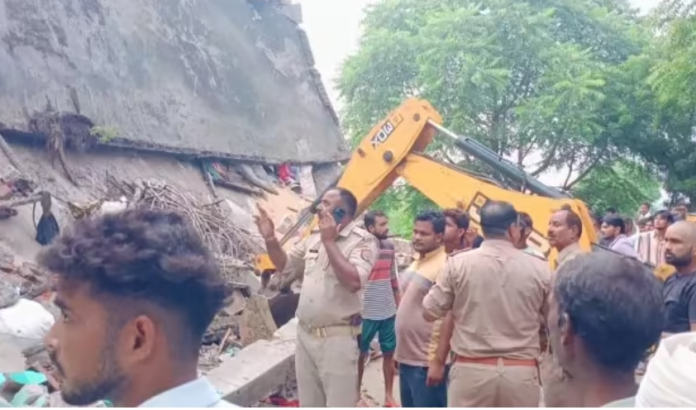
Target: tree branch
529 149
570 171
582 175
546 163
519 90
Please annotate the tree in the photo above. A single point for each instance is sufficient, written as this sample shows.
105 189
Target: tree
536 78
624 185
673 79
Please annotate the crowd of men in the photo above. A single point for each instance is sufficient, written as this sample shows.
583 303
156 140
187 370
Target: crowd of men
472 321
486 322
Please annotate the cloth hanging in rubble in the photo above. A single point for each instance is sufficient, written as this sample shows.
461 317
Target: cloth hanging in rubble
284 173
213 169
47 229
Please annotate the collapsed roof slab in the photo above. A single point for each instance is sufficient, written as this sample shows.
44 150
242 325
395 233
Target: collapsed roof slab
216 78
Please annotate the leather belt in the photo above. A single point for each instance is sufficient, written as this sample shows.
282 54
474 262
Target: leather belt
493 361
331 331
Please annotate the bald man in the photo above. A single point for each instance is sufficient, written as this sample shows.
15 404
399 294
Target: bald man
680 289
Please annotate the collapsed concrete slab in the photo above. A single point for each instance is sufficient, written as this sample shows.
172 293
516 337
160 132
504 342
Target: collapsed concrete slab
258 370
227 79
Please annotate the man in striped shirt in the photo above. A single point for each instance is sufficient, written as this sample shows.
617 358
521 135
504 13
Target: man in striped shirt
381 299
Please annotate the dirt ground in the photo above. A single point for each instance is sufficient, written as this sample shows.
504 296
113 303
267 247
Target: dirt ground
373 384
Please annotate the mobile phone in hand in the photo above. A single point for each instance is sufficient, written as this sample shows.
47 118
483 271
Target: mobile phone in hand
338 214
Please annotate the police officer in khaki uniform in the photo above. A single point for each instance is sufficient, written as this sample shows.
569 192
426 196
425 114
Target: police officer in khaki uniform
498 296
564 232
336 262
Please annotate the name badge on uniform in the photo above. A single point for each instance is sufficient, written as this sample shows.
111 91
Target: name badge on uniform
311 259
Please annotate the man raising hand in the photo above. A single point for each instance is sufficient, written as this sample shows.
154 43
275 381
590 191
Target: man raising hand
335 263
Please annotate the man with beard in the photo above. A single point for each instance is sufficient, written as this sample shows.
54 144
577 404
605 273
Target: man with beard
564 232
497 297
605 313
680 289
380 301
416 339
136 291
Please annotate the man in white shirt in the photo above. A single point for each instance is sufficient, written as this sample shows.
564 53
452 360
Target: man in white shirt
136 290
644 212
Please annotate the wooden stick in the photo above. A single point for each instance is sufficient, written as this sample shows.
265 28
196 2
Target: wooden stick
238 187
224 340
22 201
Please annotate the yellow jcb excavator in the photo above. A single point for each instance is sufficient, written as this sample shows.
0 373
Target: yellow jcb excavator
394 148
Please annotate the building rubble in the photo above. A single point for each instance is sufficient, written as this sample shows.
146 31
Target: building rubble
94 136
244 328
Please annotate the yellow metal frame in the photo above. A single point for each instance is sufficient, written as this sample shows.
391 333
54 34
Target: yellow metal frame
394 148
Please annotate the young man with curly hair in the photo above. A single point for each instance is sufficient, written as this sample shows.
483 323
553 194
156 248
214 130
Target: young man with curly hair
136 291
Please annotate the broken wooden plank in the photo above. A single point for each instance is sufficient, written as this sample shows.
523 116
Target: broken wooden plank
13 203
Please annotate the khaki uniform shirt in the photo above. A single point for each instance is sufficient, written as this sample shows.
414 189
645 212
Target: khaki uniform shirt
498 298
568 253
324 301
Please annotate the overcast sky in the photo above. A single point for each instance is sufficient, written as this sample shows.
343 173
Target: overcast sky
333 27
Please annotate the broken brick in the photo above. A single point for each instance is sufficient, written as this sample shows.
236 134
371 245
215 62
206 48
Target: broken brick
5 192
7 266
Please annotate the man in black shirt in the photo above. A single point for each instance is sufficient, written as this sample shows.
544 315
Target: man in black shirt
680 289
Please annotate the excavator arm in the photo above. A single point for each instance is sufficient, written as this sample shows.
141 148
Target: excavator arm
394 149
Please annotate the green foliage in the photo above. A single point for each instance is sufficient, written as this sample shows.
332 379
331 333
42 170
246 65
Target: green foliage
562 79
673 79
623 185
103 133
402 204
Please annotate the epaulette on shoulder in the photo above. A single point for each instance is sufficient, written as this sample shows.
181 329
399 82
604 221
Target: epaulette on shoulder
361 232
535 256
459 252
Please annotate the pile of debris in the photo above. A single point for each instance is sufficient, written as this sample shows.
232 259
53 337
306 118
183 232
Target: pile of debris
245 317
14 191
32 281
245 320
233 246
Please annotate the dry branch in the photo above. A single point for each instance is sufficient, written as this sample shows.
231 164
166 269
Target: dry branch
233 246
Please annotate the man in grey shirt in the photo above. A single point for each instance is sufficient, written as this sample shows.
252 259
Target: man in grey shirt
614 230
136 291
